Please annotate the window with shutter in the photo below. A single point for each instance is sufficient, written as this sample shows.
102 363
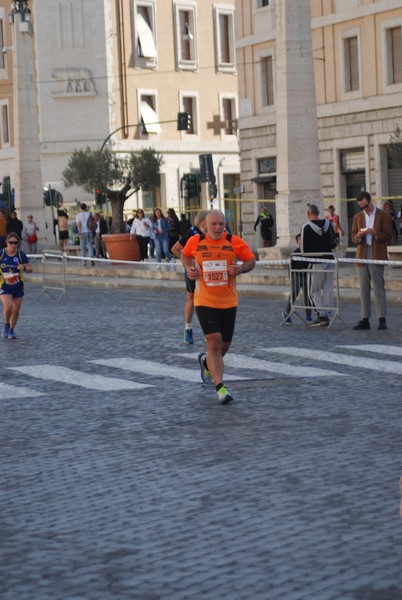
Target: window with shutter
351 64
267 81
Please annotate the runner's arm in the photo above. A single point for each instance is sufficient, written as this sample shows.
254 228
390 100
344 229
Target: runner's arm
176 249
245 267
24 267
189 266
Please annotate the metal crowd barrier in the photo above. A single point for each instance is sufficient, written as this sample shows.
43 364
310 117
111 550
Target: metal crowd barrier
307 273
53 274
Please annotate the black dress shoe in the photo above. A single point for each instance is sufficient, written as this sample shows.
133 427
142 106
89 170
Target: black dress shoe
362 324
382 324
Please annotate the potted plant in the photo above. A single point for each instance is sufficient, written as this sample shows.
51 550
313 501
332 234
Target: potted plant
117 177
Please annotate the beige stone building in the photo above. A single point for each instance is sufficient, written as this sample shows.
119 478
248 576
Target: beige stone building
175 56
6 104
129 67
357 59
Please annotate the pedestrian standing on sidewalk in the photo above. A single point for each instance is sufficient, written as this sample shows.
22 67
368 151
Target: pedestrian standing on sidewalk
173 227
266 222
14 224
333 218
184 225
13 262
388 207
86 237
211 261
29 234
317 237
101 230
199 227
160 226
62 222
140 228
372 232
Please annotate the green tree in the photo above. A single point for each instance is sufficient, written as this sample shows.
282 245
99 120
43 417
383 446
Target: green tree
116 176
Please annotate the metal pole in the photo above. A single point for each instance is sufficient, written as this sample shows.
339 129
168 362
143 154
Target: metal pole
134 125
52 210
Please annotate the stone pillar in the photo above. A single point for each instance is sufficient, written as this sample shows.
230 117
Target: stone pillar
298 164
28 173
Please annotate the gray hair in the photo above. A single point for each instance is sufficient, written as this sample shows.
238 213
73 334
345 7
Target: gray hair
313 209
200 216
219 212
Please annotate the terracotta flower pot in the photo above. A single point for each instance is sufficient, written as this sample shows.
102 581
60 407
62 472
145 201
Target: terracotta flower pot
120 247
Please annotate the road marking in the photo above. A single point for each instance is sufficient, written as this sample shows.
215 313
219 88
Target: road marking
241 361
385 366
248 362
197 372
156 369
73 377
12 391
377 348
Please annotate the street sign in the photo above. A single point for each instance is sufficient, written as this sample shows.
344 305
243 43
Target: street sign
53 184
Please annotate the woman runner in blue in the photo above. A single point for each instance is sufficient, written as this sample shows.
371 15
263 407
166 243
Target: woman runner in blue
12 263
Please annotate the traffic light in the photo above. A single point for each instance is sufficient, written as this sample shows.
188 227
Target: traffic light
50 197
206 168
192 185
183 121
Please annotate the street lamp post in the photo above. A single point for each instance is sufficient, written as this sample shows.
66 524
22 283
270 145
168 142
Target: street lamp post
105 141
20 7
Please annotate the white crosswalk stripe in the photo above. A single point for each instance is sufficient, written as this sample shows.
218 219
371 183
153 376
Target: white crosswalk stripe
13 391
365 356
74 377
385 366
156 369
241 361
248 362
377 348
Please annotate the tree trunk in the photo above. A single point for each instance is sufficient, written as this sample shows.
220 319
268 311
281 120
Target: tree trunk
117 203
117 200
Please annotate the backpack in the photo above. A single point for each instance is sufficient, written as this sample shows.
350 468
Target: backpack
91 224
332 239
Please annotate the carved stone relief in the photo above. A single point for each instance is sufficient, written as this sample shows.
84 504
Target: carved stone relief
76 80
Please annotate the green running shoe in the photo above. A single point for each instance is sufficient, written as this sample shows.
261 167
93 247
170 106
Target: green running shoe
224 396
205 374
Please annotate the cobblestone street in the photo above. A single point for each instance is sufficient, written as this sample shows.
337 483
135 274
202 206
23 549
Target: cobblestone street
123 479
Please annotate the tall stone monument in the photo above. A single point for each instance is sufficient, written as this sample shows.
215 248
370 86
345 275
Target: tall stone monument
298 164
27 173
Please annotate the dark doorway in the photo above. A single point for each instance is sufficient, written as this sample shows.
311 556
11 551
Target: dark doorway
355 183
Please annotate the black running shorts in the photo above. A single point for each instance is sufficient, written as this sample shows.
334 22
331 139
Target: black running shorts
190 284
217 320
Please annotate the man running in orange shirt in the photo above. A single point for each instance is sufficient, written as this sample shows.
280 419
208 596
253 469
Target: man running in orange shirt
211 260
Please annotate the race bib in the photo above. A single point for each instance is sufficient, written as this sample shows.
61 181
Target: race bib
11 278
215 272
